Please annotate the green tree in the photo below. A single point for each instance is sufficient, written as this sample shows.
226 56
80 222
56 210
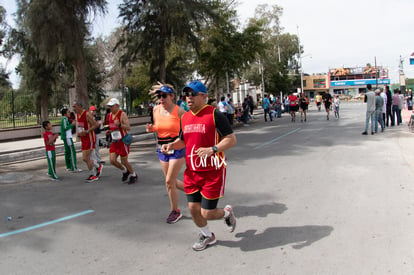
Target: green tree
4 76
57 30
153 26
279 60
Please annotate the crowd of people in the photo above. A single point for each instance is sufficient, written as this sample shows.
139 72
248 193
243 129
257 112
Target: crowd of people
197 137
194 132
384 108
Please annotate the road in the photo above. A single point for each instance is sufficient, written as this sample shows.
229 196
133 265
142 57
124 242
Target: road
310 198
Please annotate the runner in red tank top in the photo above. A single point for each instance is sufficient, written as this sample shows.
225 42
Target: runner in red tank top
206 134
118 128
86 132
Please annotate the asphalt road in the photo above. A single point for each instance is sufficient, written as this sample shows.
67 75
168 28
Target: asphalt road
310 198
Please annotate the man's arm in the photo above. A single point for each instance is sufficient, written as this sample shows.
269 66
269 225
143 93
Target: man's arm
91 121
124 122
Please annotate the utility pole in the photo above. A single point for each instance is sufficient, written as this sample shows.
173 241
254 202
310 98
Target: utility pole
402 75
300 63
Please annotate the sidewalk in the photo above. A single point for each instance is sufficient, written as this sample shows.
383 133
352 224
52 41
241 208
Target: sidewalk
31 149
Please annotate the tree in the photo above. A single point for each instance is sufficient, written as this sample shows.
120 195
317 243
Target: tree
4 76
57 30
227 51
153 26
279 59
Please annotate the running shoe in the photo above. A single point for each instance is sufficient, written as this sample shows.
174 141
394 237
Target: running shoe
55 179
92 178
77 170
174 216
99 170
133 179
231 219
125 176
203 242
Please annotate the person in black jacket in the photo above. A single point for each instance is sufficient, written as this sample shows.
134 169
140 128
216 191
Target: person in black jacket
389 105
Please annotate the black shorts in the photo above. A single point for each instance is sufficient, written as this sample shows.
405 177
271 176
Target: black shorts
294 108
304 106
205 203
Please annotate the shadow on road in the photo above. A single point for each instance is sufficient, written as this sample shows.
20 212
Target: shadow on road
298 236
260 210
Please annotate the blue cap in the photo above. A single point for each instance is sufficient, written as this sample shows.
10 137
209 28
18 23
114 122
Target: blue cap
165 89
196 86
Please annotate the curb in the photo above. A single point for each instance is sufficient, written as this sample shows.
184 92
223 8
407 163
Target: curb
39 153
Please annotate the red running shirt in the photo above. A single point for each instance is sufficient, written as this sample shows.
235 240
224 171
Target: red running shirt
292 100
199 130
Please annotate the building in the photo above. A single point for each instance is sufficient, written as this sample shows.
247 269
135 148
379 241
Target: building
314 84
353 81
346 81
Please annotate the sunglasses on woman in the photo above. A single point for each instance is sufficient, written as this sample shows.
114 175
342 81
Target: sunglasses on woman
162 95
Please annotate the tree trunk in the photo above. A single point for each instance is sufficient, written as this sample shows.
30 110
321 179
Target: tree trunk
81 87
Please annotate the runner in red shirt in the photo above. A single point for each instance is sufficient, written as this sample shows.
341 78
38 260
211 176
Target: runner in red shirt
118 128
206 134
86 131
293 105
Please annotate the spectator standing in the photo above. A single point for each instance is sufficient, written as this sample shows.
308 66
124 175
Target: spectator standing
245 111
379 105
336 103
222 106
384 107
389 106
286 104
395 106
370 114
206 135
266 108
50 139
410 100
66 136
251 106
400 106
230 111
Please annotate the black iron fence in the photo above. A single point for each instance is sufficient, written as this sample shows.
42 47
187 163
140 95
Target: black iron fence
20 111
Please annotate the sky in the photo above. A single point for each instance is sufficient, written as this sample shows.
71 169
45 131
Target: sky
333 33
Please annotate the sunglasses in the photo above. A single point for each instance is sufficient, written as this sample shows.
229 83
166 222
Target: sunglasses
193 94
162 95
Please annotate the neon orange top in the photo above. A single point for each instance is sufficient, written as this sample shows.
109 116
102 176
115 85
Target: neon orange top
168 127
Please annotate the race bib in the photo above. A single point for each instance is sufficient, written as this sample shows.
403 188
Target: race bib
116 135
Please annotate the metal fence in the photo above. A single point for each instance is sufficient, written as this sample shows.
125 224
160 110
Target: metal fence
20 111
